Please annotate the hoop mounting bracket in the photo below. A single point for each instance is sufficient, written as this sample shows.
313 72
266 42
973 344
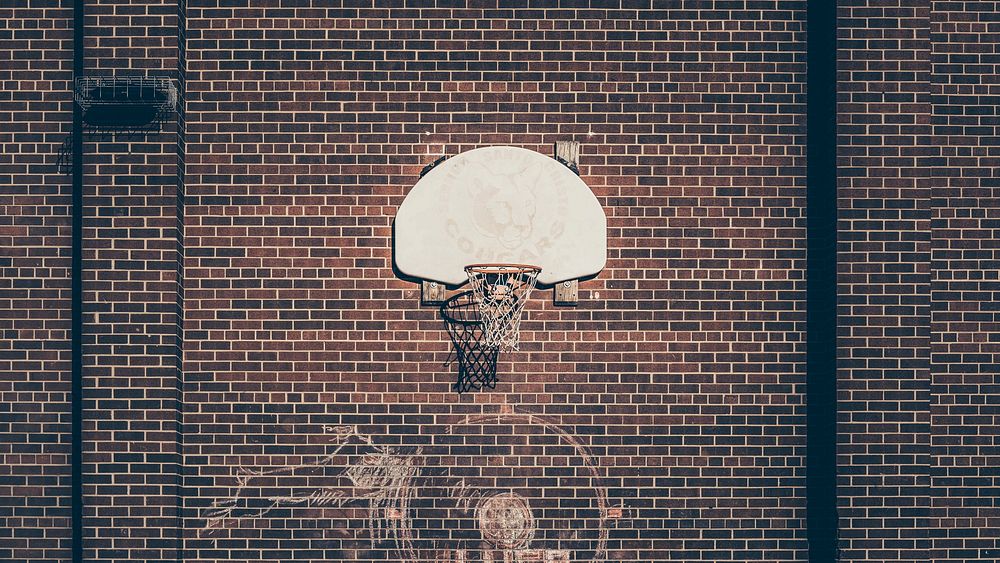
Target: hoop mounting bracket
567 292
432 292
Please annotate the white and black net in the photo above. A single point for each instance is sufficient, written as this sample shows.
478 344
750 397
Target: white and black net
502 291
477 364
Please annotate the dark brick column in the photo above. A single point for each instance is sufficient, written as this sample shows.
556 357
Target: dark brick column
131 264
884 293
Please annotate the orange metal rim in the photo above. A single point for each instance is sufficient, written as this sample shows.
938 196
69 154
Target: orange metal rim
501 268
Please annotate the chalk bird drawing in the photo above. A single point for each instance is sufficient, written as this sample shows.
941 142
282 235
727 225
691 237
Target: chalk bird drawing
378 480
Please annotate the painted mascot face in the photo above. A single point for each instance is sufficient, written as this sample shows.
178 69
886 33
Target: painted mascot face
506 210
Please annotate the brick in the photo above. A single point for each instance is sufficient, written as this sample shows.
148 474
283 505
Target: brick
681 369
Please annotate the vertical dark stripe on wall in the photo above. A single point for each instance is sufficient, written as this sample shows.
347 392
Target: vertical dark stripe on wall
179 253
76 294
821 292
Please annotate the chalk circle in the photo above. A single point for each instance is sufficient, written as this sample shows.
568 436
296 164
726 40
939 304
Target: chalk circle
506 521
510 485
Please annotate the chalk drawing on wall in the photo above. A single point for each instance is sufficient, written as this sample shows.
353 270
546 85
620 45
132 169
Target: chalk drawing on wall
496 487
354 475
506 521
531 490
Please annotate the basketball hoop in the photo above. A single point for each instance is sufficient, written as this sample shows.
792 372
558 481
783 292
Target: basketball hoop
502 290
477 365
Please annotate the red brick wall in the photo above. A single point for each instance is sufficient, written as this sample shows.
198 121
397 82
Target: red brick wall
679 375
131 456
965 255
884 277
35 115
681 369
918 279
673 391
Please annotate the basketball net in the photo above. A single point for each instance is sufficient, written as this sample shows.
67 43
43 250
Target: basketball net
502 290
477 365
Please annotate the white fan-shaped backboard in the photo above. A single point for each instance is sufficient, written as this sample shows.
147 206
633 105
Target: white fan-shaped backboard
500 204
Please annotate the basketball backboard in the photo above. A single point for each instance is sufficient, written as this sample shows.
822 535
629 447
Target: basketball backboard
500 204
